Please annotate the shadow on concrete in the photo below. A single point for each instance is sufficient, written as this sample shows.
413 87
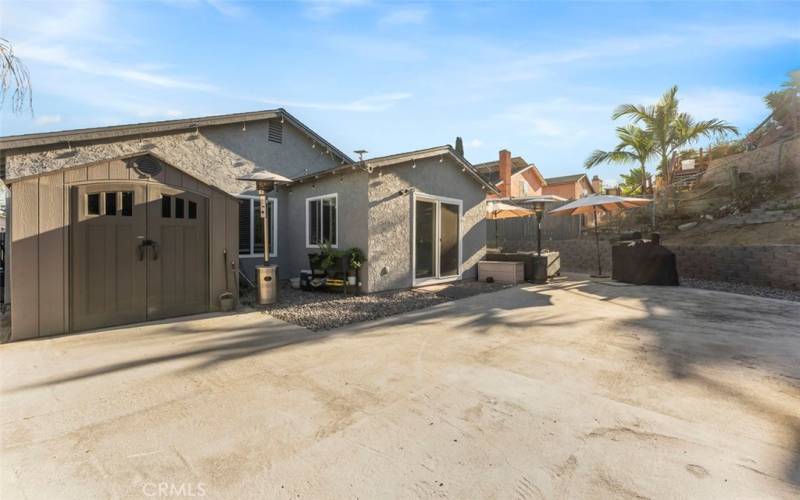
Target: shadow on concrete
699 328
214 345
691 330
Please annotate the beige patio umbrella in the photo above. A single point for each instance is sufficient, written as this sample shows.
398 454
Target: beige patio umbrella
605 202
499 210
496 210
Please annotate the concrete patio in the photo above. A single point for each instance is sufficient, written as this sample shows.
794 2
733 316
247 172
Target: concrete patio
576 389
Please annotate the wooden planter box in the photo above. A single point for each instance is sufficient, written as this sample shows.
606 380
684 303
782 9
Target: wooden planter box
501 272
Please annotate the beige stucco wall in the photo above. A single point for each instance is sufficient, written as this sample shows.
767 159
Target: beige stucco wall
390 218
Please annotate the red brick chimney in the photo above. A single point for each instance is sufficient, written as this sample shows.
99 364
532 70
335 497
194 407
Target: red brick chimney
597 184
505 172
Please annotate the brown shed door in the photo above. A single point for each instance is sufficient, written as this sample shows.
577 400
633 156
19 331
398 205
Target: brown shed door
177 277
131 260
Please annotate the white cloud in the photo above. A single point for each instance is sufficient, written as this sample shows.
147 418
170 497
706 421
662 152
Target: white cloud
367 104
47 119
319 10
228 8
474 143
401 17
61 56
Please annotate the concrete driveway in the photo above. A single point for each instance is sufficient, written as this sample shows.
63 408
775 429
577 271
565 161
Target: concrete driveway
571 390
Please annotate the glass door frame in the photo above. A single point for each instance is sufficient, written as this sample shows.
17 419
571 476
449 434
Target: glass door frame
437 201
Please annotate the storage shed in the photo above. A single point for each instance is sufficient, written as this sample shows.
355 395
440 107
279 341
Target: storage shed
123 240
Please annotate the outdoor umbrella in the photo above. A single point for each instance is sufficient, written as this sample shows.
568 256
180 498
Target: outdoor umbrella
496 210
605 202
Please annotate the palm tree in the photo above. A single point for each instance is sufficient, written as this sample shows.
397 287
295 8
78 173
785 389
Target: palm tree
670 129
636 146
785 103
634 181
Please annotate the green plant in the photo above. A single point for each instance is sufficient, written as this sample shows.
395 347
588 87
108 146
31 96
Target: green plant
329 257
785 103
635 146
670 129
356 258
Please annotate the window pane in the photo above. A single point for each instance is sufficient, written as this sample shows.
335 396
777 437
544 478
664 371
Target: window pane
272 225
329 220
448 238
192 210
127 203
258 228
179 208
111 203
166 206
93 204
244 227
314 221
425 220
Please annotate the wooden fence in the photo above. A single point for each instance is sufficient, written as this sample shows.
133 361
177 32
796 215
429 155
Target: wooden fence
523 229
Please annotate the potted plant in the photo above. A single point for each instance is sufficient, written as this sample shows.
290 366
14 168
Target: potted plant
355 259
329 259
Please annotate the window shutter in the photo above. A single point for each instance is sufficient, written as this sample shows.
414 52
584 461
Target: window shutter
244 226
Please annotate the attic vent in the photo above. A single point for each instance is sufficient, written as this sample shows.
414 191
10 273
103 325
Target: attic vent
275 133
147 165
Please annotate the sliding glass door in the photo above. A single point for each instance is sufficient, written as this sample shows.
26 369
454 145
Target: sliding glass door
425 244
437 238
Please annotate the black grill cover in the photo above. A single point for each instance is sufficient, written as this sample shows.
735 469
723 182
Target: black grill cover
643 263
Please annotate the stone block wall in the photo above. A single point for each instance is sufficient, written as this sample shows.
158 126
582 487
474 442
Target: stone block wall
776 159
775 266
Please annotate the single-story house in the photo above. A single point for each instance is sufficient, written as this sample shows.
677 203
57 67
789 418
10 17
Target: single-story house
512 176
128 223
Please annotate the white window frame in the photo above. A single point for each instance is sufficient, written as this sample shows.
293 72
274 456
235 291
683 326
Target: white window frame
273 223
437 200
335 196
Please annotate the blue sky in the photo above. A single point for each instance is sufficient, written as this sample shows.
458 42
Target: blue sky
540 79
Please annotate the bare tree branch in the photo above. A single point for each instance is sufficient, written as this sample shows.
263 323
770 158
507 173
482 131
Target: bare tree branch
14 80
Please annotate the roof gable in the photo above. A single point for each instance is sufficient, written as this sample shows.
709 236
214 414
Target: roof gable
62 138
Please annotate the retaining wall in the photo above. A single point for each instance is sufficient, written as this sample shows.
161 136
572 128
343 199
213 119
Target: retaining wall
764 265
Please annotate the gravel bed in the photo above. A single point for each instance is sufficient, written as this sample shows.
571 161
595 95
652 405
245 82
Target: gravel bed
324 311
743 289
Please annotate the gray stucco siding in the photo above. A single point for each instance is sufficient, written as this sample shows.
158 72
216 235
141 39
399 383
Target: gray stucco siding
217 155
390 218
351 191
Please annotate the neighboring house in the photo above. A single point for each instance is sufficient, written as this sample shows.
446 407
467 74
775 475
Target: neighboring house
513 177
120 224
570 187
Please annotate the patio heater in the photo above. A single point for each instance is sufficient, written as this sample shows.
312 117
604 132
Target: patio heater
266 275
538 208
